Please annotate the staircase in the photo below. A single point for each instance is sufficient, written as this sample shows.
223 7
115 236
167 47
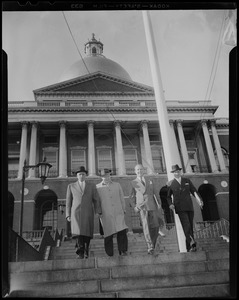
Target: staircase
166 274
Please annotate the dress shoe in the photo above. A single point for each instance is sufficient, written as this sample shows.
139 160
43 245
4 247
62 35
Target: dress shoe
161 233
86 253
193 249
80 253
151 251
123 253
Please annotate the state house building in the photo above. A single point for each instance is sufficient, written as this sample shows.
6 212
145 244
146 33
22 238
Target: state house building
98 117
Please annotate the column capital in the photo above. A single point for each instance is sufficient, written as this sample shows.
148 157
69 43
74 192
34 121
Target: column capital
144 124
203 122
24 123
171 122
90 123
117 123
212 122
179 123
62 123
34 123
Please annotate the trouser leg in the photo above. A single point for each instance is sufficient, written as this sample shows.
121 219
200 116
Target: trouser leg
184 219
87 244
153 223
144 221
122 241
108 244
81 246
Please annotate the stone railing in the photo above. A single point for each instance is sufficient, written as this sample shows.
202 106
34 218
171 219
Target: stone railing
32 245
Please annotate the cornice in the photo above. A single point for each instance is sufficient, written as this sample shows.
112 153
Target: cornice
106 109
64 94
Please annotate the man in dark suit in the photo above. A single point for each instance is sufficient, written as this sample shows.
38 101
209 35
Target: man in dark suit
181 189
82 201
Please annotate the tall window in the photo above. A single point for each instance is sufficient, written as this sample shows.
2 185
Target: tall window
193 161
51 154
158 159
131 160
77 159
104 158
13 156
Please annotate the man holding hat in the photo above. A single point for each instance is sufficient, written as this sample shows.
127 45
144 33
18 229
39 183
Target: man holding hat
82 201
181 189
113 213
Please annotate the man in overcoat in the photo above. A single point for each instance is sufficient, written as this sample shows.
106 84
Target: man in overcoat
113 213
82 202
181 189
145 200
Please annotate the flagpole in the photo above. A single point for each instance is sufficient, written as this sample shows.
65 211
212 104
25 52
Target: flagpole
170 147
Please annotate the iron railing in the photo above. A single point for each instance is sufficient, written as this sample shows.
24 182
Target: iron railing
210 229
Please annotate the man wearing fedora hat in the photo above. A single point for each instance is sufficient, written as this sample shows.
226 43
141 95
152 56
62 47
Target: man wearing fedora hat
82 201
181 189
113 213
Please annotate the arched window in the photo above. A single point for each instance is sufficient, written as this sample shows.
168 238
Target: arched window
93 50
45 210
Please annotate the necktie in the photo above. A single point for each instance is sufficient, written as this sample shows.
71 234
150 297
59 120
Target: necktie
142 182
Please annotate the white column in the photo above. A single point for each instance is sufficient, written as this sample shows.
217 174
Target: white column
148 153
218 147
209 146
63 150
170 147
120 151
33 150
91 149
183 145
23 149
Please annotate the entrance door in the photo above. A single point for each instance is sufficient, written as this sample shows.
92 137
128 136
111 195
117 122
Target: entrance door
210 209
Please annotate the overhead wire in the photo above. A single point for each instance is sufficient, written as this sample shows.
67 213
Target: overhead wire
213 73
142 158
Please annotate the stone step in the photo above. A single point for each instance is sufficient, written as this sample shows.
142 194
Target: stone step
113 285
106 262
162 269
205 291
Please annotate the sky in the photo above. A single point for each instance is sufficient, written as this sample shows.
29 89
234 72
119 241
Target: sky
193 61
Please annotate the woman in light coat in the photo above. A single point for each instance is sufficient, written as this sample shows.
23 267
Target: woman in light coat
113 213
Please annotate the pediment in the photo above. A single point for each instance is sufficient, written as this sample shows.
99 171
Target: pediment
97 82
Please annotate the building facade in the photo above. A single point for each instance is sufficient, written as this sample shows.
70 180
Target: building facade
98 117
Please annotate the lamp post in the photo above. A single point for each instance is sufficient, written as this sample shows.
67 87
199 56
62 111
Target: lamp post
43 168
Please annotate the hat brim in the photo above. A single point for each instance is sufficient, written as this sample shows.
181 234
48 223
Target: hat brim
81 171
179 169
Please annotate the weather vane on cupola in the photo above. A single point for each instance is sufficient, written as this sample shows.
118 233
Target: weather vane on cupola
93 47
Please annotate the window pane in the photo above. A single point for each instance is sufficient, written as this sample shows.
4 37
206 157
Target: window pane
51 158
131 160
157 159
104 159
77 159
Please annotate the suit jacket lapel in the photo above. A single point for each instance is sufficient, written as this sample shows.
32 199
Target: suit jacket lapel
79 188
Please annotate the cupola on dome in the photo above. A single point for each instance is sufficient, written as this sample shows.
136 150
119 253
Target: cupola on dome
95 62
